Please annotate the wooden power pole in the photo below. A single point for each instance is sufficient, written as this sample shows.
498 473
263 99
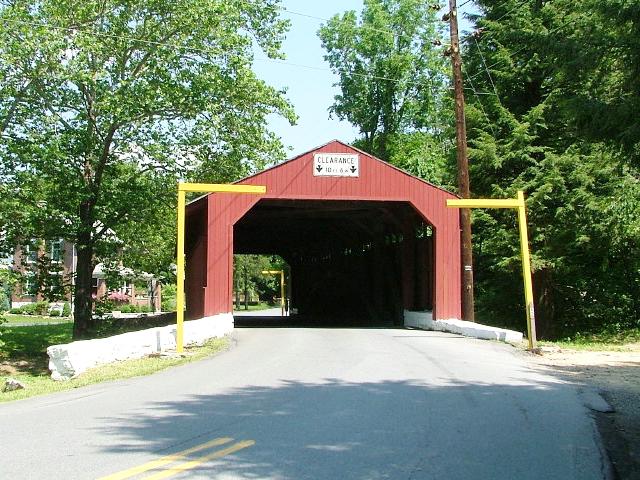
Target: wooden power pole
463 168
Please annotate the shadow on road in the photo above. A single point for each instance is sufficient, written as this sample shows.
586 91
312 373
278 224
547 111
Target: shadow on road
619 384
383 430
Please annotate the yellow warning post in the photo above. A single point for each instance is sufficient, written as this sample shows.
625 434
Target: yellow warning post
517 203
180 273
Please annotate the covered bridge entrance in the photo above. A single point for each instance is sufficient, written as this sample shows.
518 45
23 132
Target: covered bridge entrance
365 240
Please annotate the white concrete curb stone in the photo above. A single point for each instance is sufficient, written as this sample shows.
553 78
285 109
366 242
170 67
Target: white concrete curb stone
71 359
423 320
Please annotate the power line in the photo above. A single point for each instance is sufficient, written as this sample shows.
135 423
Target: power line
550 32
511 11
208 51
486 69
365 27
484 112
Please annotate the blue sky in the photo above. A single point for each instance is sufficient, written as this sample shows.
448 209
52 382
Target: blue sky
309 89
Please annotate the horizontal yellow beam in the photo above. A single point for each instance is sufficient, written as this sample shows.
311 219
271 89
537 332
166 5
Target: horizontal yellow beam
221 188
485 203
272 272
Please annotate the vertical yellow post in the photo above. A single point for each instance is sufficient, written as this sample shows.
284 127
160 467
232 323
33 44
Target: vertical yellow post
282 292
517 203
182 189
281 273
526 271
180 272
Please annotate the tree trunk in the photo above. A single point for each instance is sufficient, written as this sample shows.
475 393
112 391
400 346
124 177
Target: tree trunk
82 308
544 304
246 290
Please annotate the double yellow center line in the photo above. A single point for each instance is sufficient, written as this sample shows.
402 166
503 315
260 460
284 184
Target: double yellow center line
175 457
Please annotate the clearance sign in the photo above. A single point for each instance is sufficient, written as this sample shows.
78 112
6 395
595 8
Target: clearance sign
336 165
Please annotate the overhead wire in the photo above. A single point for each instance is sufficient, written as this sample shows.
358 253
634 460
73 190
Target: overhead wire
484 112
203 50
487 70
322 19
211 50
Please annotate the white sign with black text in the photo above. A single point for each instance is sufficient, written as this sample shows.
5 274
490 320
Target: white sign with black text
336 165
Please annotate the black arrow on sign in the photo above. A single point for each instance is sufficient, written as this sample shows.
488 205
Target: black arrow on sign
319 168
353 169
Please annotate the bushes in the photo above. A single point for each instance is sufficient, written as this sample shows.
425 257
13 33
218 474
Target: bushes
129 308
66 310
37 308
4 300
40 309
168 302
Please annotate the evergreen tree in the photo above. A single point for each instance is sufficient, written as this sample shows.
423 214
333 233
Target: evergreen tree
555 125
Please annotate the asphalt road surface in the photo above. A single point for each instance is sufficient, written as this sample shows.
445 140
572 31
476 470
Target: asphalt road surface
296 403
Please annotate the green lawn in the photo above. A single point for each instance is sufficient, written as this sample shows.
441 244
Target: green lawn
30 343
259 306
23 357
13 318
607 340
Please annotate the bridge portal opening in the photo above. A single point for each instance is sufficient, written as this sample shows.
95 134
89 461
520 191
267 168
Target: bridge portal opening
366 243
352 262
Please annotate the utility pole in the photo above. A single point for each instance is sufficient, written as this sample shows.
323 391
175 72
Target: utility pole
463 167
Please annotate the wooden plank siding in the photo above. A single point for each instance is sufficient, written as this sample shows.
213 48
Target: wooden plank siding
294 180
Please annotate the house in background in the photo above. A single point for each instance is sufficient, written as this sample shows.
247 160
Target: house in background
139 290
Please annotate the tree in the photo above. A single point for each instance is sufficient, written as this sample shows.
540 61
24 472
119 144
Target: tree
104 104
555 127
249 280
391 75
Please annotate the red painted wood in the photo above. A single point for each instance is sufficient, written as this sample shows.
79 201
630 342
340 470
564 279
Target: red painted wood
294 179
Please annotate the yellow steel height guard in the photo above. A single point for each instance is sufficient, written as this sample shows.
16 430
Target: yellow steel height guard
180 274
281 273
517 203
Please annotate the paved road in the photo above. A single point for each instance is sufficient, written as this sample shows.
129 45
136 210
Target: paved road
314 404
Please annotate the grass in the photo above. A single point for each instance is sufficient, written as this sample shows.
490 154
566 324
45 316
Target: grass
24 351
29 343
259 306
614 340
15 318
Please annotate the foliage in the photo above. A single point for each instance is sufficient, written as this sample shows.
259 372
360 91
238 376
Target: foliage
391 75
118 297
614 337
547 131
168 300
35 308
66 309
248 277
5 305
8 281
104 105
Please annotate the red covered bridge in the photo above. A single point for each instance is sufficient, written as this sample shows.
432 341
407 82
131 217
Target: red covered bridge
365 241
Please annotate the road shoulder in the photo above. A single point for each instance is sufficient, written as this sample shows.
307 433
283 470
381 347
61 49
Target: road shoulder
615 375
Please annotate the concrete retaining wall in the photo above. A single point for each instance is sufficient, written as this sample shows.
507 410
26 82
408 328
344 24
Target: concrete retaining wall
71 359
423 320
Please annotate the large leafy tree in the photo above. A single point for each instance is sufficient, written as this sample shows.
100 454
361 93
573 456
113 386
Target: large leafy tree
105 103
391 75
555 83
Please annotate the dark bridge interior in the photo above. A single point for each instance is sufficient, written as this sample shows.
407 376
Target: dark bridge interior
352 262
